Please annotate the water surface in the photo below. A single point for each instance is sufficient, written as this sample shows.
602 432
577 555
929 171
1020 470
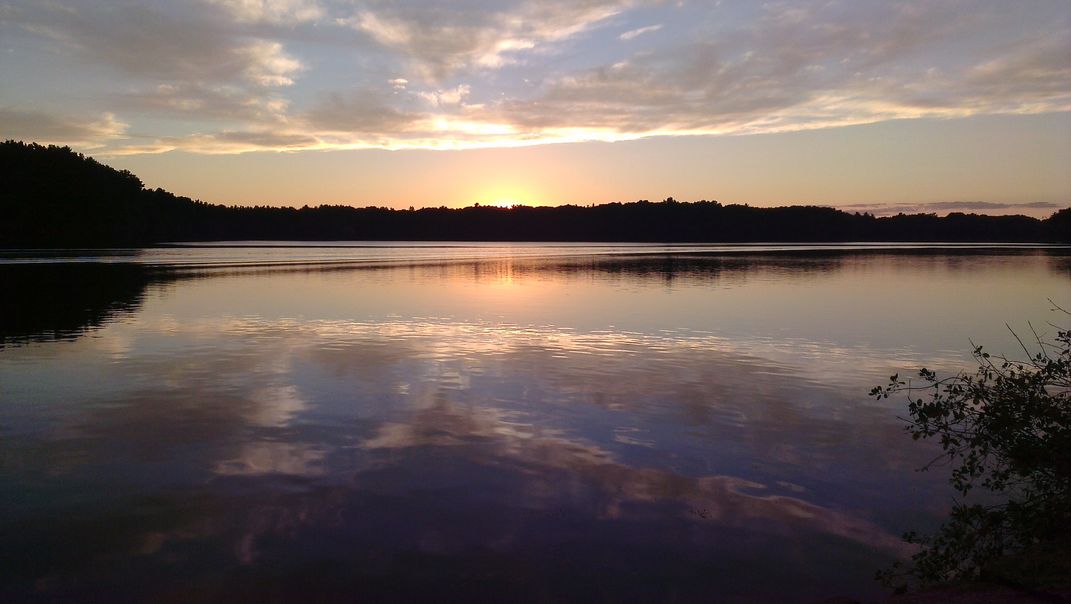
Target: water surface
500 422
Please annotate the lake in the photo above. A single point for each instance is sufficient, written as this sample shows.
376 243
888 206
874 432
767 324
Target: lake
487 422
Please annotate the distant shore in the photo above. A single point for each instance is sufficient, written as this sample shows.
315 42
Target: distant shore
55 197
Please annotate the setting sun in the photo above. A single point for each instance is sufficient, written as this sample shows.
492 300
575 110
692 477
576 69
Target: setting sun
506 197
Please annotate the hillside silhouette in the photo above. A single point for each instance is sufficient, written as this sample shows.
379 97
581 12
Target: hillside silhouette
55 197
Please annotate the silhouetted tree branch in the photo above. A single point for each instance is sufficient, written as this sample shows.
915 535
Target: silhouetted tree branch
1005 429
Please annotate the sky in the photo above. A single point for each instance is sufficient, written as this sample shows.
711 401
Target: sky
877 105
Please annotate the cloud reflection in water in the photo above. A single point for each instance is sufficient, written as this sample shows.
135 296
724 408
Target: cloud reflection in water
270 447
223 440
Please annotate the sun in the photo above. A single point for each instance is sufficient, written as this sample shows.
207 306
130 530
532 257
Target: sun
505 197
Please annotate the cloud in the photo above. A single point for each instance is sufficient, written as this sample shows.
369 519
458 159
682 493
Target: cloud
1038 72
423 74
44 127
179 65
800 68
453 96
271 11
268 65
203 101
224 142
361 112
147 43
141 41
635 33
440 41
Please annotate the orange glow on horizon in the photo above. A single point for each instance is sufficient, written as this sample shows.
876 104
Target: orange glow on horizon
506 197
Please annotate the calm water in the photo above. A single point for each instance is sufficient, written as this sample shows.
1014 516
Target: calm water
480 421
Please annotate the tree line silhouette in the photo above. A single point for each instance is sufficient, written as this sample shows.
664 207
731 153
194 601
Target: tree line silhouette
55 197
60 301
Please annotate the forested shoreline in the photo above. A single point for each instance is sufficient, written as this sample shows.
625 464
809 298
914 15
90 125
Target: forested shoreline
55 197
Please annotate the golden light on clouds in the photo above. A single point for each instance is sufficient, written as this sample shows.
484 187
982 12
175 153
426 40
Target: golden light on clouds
311 79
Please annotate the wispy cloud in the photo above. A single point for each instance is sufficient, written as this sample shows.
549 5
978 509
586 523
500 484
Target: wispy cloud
635 33
439 41
798 69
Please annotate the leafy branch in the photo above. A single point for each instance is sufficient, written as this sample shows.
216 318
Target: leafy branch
1005 429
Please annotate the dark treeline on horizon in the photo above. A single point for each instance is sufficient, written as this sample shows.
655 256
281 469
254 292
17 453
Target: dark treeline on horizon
54 197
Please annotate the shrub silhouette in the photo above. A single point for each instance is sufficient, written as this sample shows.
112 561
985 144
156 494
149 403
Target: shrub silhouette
1005 429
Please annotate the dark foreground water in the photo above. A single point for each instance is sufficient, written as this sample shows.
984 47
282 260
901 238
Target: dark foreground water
488 422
